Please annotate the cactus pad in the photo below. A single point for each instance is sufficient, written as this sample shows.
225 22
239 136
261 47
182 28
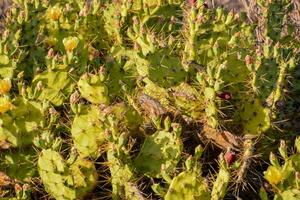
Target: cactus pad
162 149
65 180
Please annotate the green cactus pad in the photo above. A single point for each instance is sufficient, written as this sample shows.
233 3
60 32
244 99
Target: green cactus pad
166 71
268 73
93 89
255 117
56 86
63 180
22 123
120 165
162 149
157 92
88 132
188 99
187 186
127 116
121 174
221 183
6 67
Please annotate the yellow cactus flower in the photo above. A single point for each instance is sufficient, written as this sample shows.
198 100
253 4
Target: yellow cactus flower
5 86
54 13
5 105
273 175
70 43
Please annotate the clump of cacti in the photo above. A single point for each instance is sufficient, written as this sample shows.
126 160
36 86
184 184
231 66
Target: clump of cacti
122 96
284 178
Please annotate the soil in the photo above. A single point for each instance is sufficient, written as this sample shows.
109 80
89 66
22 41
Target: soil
235 5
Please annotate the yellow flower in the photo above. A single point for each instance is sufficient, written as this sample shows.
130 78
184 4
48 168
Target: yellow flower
5 105
70 43
273 175
5 86
54 13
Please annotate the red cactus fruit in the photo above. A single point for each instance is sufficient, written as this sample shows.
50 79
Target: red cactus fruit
225 95
192 2
229 157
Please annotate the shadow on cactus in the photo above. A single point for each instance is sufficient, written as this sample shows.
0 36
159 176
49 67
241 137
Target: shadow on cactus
19 164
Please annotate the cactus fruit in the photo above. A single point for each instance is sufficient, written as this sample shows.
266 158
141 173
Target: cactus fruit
160 151
66 179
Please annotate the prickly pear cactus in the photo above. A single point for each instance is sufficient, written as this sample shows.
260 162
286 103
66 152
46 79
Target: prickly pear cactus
123 178
22 123
221 183
189 184
186 186
160 151
54 85
165 71
88 131
255 117
285 176
126 116
188 99
134 86
93 88
155 91
71 179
